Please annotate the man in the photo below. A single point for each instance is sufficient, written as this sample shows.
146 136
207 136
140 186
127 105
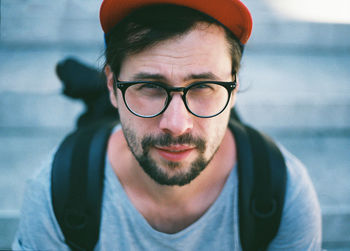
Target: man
171 175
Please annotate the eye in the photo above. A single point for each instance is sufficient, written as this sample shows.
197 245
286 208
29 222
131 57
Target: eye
203 86
147 86
147 89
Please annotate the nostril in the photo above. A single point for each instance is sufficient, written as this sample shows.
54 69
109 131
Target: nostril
176 120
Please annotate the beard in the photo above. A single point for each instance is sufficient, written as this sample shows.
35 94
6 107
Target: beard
180 176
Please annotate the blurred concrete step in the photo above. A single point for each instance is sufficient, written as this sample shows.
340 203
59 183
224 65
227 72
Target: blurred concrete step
336 231
8 226
22 152
296 72
51 22
295 89
326 156
21 110
311 36
77 22
298 115
32 69
274 30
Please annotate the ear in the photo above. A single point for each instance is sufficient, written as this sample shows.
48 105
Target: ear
234 93
110 82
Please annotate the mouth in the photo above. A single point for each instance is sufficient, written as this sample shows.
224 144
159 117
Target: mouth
174 153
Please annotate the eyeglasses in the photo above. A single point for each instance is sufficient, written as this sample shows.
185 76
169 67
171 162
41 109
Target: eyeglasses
148 99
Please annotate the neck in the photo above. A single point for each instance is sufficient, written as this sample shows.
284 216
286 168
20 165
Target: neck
152 199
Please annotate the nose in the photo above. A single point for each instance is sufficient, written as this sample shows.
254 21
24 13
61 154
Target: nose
176 120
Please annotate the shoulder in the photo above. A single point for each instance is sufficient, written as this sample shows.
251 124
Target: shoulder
38 228
300 227
299 184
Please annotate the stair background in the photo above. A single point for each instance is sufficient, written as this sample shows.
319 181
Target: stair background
295 85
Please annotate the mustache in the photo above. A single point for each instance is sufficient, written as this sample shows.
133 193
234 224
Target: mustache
166 140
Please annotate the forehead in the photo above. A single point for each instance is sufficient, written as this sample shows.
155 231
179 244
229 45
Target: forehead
203 49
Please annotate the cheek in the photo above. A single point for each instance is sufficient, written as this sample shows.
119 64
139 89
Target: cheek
136 127
131 133
232 100
215 129
124 113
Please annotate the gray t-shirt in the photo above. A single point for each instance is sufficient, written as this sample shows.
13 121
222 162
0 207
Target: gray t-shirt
124 228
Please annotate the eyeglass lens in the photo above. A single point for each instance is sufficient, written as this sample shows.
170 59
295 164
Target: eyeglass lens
204 100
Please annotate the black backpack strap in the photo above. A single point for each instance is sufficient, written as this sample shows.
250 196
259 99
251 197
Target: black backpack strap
262 185
262 182
77 185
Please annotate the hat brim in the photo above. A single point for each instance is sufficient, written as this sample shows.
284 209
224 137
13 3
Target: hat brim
233 14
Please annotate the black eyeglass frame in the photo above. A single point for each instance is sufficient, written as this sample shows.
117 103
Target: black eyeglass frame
123 85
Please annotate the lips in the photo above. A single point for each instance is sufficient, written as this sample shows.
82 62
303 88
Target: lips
174 153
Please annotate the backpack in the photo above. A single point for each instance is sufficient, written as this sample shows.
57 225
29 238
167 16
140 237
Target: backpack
78 172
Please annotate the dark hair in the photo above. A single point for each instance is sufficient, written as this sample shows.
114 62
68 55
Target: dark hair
147 26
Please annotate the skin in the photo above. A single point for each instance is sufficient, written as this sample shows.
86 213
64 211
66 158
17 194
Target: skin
178 61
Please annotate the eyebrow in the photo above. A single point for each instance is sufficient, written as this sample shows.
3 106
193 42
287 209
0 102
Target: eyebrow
145 75
159 77
205 75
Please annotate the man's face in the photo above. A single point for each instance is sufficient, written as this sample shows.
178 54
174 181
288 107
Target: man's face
174 147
